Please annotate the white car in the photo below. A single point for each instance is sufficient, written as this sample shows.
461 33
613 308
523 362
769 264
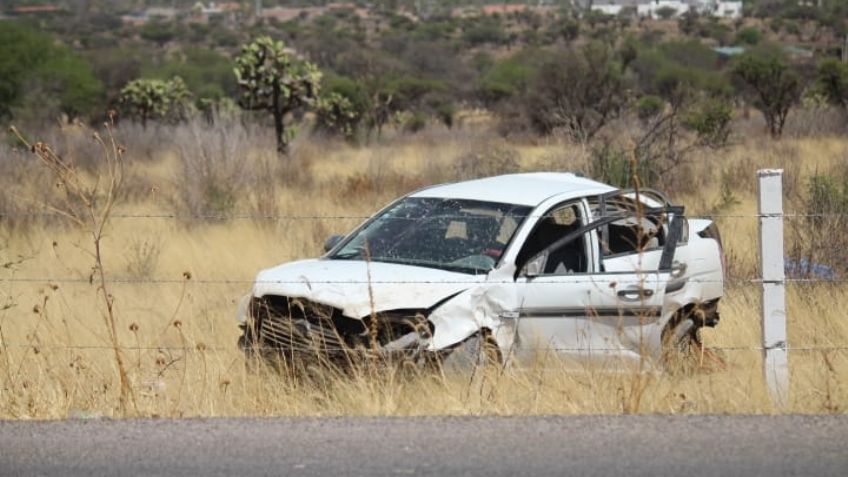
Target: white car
524 263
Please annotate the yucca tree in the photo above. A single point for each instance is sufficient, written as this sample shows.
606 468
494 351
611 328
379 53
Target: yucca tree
146 99
276 79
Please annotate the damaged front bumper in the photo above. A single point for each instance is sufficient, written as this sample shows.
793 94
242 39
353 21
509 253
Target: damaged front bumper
296 327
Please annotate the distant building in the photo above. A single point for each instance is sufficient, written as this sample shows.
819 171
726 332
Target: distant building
202 12
791 50
727 9
608 8
35 9
650 8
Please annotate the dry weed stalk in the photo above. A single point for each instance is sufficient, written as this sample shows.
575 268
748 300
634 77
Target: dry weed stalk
88 206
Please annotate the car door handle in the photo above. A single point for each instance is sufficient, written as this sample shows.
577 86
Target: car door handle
633 294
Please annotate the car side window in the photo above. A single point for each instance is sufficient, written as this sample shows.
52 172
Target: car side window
555 225
633 233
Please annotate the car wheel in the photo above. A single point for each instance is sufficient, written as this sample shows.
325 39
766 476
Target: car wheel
683 350
475 355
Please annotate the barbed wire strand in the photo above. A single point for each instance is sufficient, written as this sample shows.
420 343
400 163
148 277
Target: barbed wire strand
535 281
223 217
203 348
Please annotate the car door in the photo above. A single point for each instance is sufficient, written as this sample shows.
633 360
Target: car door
604 309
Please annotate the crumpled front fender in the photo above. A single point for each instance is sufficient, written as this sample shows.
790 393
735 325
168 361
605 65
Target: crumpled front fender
490 305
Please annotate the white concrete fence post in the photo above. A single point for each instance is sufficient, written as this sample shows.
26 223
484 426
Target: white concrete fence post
775 355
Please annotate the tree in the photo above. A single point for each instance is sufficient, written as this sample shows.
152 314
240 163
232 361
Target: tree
158 32
70 79
773 86
580 91
35 71
274 78
147 99
336 114
666 12
832 82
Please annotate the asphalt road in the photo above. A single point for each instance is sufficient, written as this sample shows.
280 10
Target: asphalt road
445 446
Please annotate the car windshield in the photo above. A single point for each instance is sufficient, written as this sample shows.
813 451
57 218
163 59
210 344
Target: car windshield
466 236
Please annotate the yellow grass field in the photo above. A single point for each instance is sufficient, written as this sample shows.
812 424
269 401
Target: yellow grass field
176 283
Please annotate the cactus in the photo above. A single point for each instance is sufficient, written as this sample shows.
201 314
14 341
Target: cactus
146 99
274 78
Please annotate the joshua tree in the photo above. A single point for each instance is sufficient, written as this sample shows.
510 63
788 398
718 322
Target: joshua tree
146 99
274 78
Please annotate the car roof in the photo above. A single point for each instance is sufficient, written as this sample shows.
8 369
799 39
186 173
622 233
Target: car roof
523 189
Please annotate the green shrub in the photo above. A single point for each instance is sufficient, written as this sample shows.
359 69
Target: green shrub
649 106
748 36
617 167
710 120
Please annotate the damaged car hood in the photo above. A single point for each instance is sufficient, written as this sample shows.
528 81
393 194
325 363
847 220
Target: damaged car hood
344 284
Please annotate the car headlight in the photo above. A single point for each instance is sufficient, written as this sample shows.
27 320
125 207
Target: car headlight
243 311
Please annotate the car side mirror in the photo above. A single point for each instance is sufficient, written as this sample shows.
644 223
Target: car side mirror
332 241
535 267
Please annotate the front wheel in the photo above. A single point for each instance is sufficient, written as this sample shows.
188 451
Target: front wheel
475 356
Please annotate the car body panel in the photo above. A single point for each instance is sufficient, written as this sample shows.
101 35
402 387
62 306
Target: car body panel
359 288
523 189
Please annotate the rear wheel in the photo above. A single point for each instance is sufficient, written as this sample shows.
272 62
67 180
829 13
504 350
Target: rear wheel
683 350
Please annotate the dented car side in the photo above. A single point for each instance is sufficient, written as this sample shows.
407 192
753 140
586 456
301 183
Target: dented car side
571 265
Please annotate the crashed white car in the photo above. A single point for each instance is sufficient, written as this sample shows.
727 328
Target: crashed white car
523 263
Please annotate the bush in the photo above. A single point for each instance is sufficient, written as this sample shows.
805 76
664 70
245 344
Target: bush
710 119
616 166
649 106
415 122
821 243
489 161
748 36
666 12
506 79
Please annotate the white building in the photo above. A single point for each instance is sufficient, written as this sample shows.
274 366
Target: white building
649 8
608 8
727 9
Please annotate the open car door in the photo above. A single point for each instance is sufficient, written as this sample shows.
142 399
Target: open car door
614 306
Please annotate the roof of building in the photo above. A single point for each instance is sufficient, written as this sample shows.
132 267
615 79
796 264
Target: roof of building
36 9
524 189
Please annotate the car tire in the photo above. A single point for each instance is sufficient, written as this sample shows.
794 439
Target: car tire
475 355
681 344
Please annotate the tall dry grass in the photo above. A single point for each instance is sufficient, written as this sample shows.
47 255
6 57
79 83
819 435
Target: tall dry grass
177 267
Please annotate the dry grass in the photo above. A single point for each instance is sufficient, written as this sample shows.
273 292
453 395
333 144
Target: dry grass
179 333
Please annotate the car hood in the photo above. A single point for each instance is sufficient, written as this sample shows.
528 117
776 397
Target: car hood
344 284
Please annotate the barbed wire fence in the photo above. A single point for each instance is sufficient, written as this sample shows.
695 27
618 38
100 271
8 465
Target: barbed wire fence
774 345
